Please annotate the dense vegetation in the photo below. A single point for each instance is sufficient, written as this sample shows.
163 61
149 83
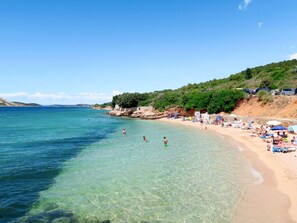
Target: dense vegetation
219 94
212 101
103 105
275 76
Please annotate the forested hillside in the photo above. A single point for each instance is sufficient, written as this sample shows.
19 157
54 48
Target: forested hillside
216 95
275 76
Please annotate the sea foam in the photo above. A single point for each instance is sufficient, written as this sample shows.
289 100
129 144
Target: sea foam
257 176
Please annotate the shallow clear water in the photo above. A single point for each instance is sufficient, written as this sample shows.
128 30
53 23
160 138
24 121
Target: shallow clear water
74 165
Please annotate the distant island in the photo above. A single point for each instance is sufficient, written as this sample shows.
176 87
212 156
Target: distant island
6 103
76 105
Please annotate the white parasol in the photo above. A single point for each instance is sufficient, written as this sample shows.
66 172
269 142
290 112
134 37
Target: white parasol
273 122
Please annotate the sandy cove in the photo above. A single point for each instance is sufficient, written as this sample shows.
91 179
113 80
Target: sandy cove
274 199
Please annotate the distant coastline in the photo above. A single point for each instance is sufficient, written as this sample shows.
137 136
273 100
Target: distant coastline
6 103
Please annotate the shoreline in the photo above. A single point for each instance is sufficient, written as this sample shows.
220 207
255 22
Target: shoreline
275 198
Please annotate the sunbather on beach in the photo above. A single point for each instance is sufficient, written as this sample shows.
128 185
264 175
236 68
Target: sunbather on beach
276 139
294 140
282 144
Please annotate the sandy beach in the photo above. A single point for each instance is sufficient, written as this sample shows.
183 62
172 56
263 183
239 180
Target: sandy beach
273 197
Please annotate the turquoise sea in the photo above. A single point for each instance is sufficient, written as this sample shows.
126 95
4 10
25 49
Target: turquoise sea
74 165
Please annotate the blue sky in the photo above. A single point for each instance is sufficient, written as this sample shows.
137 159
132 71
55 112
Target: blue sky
67 52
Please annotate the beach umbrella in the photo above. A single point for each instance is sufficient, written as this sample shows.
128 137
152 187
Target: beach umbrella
293 128
278 127
219 117
273 122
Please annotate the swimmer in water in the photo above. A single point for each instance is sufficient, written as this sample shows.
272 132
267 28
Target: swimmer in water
165 141
144 139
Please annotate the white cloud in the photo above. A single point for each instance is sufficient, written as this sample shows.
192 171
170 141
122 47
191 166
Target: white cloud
115 92
40 95
286 47
12 95
293 56
60 97
244 4
260 24
92 95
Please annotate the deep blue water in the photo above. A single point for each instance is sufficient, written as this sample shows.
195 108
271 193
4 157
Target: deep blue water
34 144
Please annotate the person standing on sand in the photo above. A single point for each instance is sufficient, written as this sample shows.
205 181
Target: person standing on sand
165 141
124 132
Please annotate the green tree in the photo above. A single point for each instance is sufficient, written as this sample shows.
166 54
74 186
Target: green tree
196 100
248 73
213 101
171 98
128 100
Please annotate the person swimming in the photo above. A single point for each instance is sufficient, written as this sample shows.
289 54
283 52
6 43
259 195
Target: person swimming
144 139
124 132
165 141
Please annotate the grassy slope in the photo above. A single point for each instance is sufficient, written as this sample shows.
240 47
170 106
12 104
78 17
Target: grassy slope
276 75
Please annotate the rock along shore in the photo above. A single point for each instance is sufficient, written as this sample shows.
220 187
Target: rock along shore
139 112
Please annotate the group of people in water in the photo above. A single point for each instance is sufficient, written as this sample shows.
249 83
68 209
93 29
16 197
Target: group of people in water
165 140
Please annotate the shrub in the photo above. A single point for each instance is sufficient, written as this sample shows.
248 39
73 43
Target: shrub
196 100
224 100
265 97
128 100
164 100
214 101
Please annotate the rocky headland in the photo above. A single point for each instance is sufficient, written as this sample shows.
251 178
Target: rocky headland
148 113
6 103
107 108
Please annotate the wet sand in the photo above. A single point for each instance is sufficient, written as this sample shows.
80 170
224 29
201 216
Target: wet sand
274 197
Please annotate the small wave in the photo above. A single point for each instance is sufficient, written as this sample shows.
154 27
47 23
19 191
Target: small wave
257 175
221 136
240 148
